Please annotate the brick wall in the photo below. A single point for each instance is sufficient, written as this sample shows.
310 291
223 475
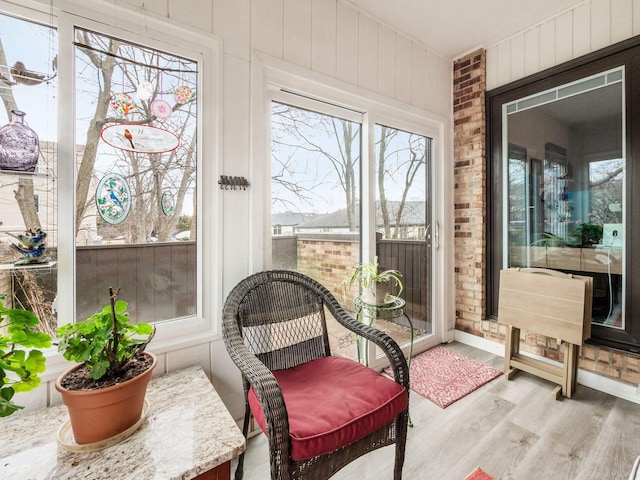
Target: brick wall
329 262
469 87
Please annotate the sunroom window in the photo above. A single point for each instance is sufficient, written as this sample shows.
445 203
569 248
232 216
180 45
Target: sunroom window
111 195
136 163
28 159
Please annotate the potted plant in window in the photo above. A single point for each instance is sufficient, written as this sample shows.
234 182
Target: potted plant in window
21 360
105 392
375 283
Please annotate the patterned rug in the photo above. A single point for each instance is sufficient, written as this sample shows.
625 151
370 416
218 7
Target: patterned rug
478 474
444 376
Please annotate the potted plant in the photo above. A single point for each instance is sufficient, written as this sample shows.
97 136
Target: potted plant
105 392
21 360
375 283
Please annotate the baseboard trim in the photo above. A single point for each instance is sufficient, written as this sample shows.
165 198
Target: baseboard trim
586 378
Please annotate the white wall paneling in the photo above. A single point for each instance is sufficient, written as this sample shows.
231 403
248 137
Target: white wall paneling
367 53
324 36
297 29
585 28
404 71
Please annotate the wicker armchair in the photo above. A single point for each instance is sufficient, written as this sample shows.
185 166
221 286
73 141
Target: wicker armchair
319 412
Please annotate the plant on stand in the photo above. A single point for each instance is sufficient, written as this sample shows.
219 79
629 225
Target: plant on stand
375 283
111 352
374 295
21 360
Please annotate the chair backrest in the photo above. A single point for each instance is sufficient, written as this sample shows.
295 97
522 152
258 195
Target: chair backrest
280 315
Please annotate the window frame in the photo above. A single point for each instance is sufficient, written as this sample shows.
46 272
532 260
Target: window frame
206 49
623 55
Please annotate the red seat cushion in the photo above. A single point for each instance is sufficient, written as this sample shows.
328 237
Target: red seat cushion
331 402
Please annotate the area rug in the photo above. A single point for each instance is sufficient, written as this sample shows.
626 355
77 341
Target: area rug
444 376
478 474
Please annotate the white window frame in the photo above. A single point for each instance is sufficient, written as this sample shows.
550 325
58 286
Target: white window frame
145 29
271 80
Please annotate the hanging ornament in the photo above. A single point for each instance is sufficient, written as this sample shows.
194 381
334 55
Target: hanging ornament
145 91
113 198
168 203
140 138
19 146
122 103
183 94
160 108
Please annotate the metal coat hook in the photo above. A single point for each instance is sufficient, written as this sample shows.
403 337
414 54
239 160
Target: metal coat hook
233 183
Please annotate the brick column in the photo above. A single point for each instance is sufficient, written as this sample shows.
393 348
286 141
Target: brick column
469 86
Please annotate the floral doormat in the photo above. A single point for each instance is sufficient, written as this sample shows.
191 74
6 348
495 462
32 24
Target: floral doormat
444 376
478 474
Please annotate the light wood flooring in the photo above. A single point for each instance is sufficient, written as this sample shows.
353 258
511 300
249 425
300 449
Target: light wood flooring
511 429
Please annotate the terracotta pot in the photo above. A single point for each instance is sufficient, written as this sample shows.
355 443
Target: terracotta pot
103 413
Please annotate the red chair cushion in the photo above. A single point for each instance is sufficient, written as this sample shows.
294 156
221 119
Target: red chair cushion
332 402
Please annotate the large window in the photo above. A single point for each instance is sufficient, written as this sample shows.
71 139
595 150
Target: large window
136 164
338 200
110 121
563 185
28 159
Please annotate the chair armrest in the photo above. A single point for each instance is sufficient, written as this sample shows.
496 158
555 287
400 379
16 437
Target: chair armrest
387 344
265 386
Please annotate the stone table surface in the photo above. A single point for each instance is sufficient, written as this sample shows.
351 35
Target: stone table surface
187 431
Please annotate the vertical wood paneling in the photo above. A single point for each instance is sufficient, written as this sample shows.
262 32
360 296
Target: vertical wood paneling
347 44
492 67
266 26
517 56
600 24
297 32
236 34
504 63
198 15
403 71
532 51
547 44
432 81
418 74
323 36
564 37
621 20
367 53
235 158
636 17
386 61
445 87
581 30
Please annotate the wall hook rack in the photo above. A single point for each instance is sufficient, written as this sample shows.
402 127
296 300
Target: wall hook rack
233 183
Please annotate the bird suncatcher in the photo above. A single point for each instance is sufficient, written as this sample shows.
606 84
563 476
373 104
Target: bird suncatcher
140 138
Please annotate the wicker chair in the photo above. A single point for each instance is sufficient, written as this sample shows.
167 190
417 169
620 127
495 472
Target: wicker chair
303 398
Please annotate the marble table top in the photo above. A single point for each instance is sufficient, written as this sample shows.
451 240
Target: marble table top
187 431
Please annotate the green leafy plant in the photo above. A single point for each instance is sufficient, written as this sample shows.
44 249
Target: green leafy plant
587 234
20 353
549 240
107 341
368 275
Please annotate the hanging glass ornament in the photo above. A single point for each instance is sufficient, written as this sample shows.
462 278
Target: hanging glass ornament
19 145
168 203
183 94
113 198
123 103
160 108
145 91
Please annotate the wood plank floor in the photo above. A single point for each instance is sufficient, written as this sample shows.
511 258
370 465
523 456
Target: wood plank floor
513 430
